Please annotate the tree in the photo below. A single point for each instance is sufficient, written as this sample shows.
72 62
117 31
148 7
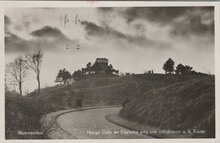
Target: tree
188 69
169 66
96 67
66 76
35 61
111 70
17 70
77 75
89 68
179 69
183 70
63 76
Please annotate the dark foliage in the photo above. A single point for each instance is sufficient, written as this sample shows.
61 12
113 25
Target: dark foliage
21 117
169 66
183 69
63 76
95 69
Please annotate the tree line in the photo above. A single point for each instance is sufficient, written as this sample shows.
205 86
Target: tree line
65 76
17 71
181 69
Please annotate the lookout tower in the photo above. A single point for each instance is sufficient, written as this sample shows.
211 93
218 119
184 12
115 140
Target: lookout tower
102 61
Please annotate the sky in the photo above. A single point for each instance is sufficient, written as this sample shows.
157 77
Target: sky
134 39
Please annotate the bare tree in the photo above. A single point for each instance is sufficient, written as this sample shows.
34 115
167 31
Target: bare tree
35 61
17 71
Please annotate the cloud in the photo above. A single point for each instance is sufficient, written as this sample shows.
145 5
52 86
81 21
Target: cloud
200 22
93 29
184 21
106 9
14 43
46 38
15 27
149 35
162 15
109 33
48 31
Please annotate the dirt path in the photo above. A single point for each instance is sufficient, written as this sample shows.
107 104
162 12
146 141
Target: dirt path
91 124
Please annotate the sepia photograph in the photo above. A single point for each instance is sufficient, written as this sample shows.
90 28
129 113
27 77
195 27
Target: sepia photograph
142 72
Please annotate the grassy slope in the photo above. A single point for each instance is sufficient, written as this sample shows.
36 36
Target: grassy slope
155 99
98 91
186 104
20 117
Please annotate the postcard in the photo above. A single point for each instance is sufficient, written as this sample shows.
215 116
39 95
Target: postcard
99 71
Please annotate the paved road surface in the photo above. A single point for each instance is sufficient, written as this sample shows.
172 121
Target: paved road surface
91 124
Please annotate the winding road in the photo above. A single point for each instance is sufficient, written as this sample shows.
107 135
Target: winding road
91 124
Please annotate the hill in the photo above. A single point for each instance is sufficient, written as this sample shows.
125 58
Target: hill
183 105
98 91
167 101
20 117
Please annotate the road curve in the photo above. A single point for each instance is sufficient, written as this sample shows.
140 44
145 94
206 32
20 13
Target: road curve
91 124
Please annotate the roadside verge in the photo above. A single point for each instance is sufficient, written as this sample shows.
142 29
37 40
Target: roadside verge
142 128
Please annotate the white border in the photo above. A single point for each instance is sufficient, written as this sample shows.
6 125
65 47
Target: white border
21 4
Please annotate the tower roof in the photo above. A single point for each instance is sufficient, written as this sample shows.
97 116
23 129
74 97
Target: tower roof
102 60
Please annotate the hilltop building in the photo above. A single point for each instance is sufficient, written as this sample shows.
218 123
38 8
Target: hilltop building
101 66
102 61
